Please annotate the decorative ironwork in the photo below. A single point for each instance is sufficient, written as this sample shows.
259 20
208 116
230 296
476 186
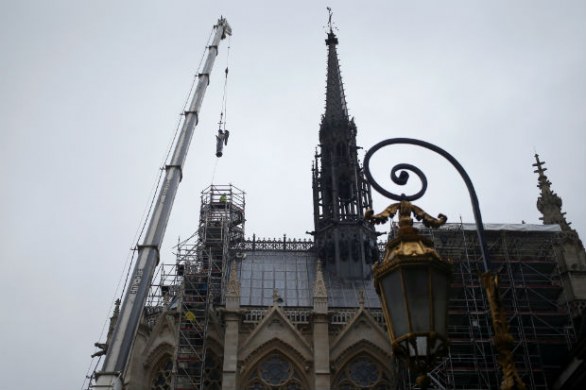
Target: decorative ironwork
502 339
282 244
403 178
405 209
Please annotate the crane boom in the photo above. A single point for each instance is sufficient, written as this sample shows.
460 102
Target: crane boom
120 344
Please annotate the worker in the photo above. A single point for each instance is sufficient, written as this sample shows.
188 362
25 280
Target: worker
221 140
223 198
103 349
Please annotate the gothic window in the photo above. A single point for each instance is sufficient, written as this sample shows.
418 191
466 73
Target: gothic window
213 372
362 372
162 374
274 372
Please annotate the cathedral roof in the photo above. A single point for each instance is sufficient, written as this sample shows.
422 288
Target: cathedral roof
292 273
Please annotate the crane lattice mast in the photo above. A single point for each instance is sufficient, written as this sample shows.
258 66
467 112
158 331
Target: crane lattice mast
120 344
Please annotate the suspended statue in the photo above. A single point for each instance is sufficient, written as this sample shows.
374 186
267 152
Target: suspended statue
221 140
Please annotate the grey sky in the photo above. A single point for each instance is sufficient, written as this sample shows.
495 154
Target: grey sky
90 94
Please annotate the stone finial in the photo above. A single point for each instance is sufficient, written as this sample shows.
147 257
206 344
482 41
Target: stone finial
361 298
320 293
549 203
233 289
276 297
319 287
233 283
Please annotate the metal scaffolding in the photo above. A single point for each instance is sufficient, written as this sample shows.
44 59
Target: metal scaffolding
531 289
197 280
526 259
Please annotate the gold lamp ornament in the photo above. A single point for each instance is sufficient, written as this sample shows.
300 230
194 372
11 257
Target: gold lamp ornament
413 283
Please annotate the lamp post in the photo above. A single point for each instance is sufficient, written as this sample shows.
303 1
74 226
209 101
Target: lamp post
413 281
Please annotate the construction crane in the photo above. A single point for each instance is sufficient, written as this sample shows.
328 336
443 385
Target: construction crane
120 343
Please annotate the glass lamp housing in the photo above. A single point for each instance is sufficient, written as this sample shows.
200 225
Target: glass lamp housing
413 284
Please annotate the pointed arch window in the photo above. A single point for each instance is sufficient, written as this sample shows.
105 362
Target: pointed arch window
275 372
363 372
161 377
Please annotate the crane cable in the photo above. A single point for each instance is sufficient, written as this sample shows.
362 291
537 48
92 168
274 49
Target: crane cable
223 110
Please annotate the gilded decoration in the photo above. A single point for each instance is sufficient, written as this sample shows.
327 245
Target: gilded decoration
503 340
408 246
405 209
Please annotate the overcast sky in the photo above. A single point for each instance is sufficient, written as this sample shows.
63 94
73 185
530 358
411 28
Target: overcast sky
90 93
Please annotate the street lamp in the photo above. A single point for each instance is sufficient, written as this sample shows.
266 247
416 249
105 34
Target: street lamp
413 281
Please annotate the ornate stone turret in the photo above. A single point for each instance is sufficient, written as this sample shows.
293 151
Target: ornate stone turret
549 203
571 254
344 241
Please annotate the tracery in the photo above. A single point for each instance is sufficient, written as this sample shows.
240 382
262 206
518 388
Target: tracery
275 372
162 374
362 372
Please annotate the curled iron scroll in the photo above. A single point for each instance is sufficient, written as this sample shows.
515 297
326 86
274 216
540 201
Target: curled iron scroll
401 179
404 176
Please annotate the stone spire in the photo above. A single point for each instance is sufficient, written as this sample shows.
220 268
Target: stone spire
345 243
336 110
549 203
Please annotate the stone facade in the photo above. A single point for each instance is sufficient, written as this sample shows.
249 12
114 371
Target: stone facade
268 347
324 328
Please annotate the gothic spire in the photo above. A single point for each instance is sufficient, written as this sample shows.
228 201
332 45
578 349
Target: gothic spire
336 109
344 242
549 203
